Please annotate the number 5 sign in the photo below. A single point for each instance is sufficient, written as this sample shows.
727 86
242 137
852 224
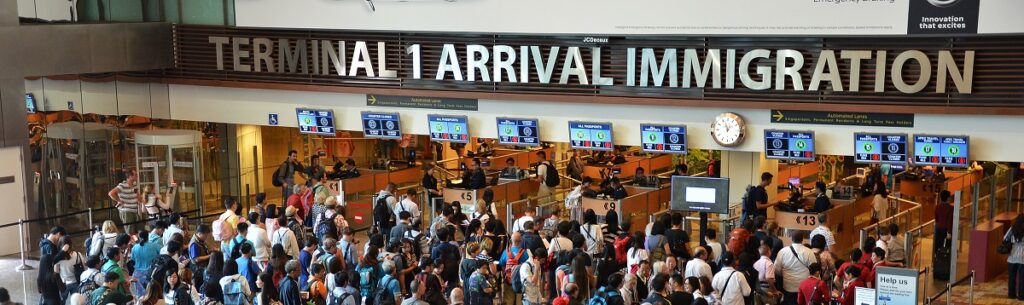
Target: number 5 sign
797 221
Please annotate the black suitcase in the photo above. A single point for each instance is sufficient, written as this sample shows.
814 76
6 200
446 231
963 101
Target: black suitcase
940 264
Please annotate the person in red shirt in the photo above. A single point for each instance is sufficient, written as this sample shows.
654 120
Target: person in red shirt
877 260
849 287
854 263
943 220
813 289
296 200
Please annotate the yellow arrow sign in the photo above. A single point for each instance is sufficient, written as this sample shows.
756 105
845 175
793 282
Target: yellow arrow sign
373 100
778 115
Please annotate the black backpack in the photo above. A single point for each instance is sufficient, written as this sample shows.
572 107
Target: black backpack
552 179
383 295
278 174
338 299
382 214
326 225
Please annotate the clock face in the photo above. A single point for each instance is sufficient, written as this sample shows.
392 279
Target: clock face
728 129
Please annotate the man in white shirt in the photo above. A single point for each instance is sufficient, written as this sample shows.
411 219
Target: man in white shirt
408 205
823 230
711 237
792 263
173 228
257 235
284 236
542 174
731 285
698 267
527 216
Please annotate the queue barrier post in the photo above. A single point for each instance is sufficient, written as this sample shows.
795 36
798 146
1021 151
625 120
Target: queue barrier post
970 291
21 242
91 225
949 293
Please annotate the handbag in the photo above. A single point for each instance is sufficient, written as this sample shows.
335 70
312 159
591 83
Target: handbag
1005 246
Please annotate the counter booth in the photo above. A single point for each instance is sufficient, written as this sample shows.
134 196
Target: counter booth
360 192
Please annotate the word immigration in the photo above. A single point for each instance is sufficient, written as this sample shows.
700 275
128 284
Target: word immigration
908 71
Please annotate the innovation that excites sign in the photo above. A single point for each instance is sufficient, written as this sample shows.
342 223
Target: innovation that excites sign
909 71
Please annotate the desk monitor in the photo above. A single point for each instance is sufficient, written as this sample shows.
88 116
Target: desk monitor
795 181
789 145
949 151
519 132
449 128
700 194
590 135
30 102
382 125
663 138
316 121
880 148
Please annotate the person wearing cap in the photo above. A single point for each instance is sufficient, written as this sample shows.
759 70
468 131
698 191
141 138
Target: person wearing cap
330 208
295 225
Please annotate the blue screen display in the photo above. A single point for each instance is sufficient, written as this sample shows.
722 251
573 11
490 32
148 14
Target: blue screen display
448 128
315 121
30 102
381 125
590 135
948 151
789 145
663 138
880 148
512 131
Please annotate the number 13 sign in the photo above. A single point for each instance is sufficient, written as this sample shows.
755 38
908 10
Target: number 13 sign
797 221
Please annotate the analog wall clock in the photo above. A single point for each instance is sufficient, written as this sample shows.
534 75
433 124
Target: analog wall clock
728 129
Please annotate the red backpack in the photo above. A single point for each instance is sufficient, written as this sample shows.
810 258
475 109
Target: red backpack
738 241
512 262
622 245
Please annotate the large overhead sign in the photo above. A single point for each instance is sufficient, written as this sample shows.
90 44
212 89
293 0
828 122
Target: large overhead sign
910 71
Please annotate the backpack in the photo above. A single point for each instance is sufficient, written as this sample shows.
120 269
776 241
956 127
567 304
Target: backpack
598 244
367 279
420 245
326 225
622 245
738 240
383 295
338 299
552 179
222 229
86 287
511 263
602 296
657 254
96 299
518 283
233 294
382 214
745 204
278 174
678 247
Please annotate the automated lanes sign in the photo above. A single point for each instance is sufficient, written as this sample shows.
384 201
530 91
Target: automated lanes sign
442 103
843 118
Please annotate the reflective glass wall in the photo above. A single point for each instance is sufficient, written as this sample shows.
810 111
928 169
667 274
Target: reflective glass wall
211 12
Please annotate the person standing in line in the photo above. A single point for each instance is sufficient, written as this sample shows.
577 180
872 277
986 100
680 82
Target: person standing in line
109 292
315 169
543 169
289 288
126 198
813 289
286 238
1016 259
286 173
659 291
731 284
143 253
417 289
793 262
530 272
256 234
880 203
408 205
823 230
47 281
943 221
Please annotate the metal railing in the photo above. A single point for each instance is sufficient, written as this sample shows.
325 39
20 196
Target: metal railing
907 218
949 287
924 284
911 240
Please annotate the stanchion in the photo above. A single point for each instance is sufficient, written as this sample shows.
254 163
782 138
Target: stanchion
21 239
970 291
949 293
91 225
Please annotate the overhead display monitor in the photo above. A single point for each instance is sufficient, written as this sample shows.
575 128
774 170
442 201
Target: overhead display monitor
520 132
448 128
700 194
316 121
590 135
935 150
663 138
382 125
880 148
789 145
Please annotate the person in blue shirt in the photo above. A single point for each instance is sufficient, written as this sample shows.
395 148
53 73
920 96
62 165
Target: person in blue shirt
157 235
515 249
230 248
246 266
305 259
390 280
143 253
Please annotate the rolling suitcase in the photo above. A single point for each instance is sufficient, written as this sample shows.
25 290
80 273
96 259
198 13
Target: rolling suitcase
940 263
